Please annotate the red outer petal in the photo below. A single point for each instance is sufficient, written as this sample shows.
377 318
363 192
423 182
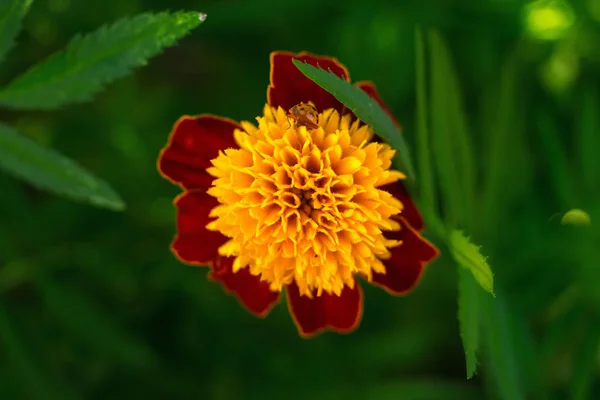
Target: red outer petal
193 142
194 244
410 211
370 89
253 293
408 260
338 313
289 86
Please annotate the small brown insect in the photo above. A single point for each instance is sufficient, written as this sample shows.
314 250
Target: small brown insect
304 115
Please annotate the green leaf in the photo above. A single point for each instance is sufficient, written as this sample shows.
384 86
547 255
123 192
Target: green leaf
587 140
88 322
451 143
468 256
89 62
365 109
11 15
468 318
557 163
427 193
584 363
502 359
51 171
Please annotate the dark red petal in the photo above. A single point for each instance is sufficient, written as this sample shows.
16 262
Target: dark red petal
410 211
289 86
193 142
408 260
370 89
338 313
194 244
253 293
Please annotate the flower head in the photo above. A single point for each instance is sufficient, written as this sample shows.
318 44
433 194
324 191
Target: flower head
304 200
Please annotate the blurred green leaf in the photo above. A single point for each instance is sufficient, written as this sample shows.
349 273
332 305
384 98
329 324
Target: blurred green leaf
11 15
588 142
584 363
557 164
468 318
502 358
427 192
22 363
467 255
79 314
450 141
365 109
51 171
89 62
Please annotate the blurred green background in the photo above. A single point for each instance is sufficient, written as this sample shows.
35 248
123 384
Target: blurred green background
93 304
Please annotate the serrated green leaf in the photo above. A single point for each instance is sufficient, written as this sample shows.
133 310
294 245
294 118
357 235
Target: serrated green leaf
11 15
88 322
468 256
47 169
365 109
468 318
89 62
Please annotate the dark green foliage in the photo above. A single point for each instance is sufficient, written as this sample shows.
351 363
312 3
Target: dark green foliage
93 304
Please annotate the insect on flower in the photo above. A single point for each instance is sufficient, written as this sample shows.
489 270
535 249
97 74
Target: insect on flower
304 115
303 201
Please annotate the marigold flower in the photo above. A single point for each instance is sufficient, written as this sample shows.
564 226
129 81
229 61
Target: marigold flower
304 200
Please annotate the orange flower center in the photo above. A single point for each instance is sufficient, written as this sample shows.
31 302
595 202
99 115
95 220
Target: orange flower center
301 204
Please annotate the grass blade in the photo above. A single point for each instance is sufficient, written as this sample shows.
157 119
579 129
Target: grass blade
90 62
468 318
47 169
365 109
11 15
588 142
427 194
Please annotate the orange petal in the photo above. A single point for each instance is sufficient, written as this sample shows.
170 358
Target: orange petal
193 142
253 293
194 244
408 260
341 314
289 86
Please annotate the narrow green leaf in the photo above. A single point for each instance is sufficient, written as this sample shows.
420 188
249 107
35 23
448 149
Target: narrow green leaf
502 360
51 171
365 109
468 318
89 323
89 62
557 164
468 256
427 194
584 365
11 15
450 139
587 140
21 361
